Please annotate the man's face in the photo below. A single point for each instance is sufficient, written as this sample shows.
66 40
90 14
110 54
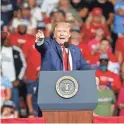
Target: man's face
75 37
59 17
104 46
25 13
96 18
62 34
22 29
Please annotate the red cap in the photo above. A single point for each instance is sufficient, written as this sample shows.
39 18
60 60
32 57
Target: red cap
97 11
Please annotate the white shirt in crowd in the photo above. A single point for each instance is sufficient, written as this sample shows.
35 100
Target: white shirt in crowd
48 5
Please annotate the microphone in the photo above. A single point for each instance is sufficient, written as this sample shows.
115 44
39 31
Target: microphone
66 44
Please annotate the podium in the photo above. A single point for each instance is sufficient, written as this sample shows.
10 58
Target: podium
67 96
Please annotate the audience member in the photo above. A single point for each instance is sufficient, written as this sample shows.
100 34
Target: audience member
71 13
8 8
119 49
106 101
8 110
94 21
25 16
118 24
47 7
107 77
107 8
121 93
5 89
13 66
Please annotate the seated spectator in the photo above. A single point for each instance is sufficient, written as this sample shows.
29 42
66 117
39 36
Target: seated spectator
25 16
8 110
106 101
121 93
107 77
119 50
107 13
13 66
94 21
5 89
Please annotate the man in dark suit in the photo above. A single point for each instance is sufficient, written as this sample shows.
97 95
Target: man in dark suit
56 53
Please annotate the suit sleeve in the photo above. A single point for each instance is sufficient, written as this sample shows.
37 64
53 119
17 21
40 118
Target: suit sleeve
41 46
84 64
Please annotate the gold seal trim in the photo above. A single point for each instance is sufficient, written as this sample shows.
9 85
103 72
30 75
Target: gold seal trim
75 86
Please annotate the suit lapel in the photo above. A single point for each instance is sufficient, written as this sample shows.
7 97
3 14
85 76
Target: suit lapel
73 54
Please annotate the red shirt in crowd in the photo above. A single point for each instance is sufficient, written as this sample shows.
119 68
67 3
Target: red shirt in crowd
26 43
121 100
109 77
33 59
120 46
21 40
89 33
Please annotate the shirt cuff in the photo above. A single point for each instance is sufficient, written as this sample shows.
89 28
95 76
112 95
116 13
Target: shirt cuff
39 42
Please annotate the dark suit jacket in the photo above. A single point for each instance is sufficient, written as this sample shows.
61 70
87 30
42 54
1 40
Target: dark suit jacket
51 54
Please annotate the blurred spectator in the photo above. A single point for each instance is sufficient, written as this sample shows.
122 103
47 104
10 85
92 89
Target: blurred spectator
119 50
94 43
107 77
8 8
8 110
13 66
81 6
47 7
56 15
107 13
5 89
32 99
106 101
24 16
71 13
121 93
35 10
76 40
119 17
94 21
75 35
21 38
118 26
113 64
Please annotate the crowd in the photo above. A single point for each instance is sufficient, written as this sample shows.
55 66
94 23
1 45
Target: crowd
97 28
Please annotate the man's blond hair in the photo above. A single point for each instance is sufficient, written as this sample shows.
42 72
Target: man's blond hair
62 24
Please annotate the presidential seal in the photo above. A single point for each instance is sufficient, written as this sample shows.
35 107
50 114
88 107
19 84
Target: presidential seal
67 87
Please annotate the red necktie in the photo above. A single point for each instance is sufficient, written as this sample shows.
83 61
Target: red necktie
66 63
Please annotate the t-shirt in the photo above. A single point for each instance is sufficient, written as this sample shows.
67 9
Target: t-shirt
119 20
89 33
106 7
120 46
105 100
109 78
121 99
